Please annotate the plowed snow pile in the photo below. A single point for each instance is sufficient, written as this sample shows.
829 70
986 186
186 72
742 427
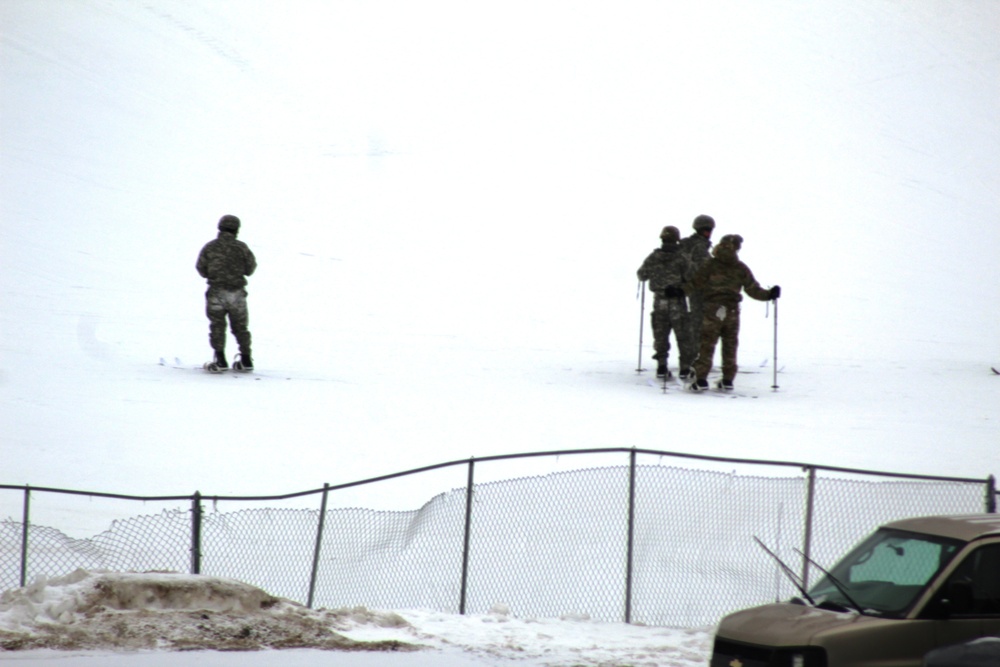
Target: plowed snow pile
98 610
160 611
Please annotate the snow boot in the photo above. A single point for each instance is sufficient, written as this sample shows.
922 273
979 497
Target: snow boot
662 372
699 385
243 362
219 364
724 385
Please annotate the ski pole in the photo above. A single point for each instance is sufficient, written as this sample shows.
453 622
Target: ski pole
774 367
642 320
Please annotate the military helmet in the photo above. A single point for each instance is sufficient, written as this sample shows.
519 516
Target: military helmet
703 222
670 234
725 251
734 240
229 223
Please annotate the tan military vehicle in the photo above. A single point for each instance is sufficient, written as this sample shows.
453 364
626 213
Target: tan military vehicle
910 587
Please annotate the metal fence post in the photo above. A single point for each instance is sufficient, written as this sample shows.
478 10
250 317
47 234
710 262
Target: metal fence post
196 533
25 519
319 544
465 547
807 536
991 495
630 539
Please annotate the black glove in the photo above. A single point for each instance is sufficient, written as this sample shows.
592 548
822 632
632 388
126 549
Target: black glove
775 292
673 292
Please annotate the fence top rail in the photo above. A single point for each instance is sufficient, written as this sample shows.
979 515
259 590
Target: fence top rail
504 457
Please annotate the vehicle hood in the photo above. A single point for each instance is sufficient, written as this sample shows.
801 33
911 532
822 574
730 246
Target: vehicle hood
786 624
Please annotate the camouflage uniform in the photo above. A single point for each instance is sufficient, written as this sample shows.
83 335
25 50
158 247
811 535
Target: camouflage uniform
225 262
666 269
720 281
697 249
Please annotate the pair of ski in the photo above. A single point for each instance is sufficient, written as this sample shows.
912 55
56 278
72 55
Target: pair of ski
214 368
714 388
237 367
208 366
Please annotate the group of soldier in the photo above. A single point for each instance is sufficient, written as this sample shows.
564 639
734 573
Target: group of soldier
697 291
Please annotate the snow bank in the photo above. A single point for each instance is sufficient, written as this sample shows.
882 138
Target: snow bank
161 611
96 610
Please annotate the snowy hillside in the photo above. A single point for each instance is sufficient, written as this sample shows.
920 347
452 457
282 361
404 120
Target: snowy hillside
448 203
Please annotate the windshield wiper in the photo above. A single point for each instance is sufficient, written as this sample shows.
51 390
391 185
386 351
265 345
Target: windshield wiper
836 582
792 577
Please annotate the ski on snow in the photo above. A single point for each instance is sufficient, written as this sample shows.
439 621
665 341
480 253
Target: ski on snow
215 369
719 392
208 367
713 390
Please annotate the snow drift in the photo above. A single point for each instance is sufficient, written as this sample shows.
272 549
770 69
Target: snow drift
104 611
100 610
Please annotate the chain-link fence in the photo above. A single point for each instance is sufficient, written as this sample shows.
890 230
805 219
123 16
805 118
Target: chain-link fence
639 542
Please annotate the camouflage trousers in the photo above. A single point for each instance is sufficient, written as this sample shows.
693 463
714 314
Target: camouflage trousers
696 304
671 315
220 304
720 321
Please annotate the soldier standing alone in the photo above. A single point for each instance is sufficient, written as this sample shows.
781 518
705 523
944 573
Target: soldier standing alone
666 269
225 263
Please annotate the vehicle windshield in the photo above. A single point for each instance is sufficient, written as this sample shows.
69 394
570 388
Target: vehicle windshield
886 573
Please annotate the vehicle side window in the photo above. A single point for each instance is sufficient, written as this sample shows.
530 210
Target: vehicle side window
980 574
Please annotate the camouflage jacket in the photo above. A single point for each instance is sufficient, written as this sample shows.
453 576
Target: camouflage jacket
696 248
724 276
665 267
225 262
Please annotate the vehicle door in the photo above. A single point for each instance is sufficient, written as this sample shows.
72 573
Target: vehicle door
967 605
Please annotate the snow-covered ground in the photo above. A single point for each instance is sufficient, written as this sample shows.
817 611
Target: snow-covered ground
448 202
